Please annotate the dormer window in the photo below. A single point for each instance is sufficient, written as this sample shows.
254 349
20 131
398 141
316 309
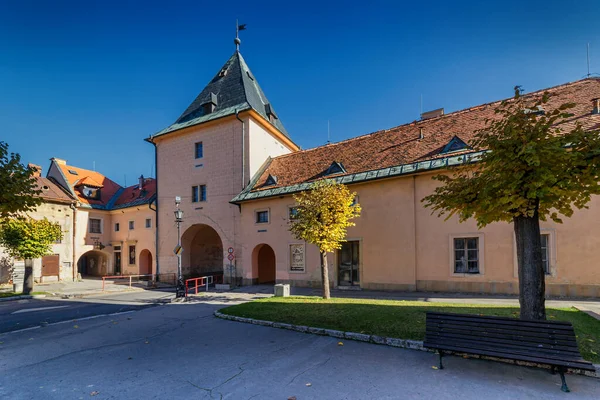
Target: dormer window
335 168
210 105
538 110
271 180
73 172
455 144
270 113
90 192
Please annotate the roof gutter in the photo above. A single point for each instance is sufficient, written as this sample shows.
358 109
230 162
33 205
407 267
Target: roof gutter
151 140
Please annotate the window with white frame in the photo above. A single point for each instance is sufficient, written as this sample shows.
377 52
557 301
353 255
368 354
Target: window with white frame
198 193
95 225
148 222
131 225
545 239
262 217
466 255
117 227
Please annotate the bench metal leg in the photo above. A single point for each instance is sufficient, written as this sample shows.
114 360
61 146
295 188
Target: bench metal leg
564 386
441 353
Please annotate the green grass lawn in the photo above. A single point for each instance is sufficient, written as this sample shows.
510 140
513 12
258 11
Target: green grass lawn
398 319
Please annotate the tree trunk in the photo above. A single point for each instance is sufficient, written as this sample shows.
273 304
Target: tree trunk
325 276
532 286
28 278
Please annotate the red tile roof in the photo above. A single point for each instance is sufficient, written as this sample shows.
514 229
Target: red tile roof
52 192
132 195
401 145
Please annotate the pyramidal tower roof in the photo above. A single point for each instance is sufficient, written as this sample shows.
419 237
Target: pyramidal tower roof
233 89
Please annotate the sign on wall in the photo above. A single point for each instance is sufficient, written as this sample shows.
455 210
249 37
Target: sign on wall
297 262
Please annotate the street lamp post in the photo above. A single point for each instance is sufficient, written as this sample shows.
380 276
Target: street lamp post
180 289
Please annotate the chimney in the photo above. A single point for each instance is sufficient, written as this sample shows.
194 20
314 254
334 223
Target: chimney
37 169
141 182
421 136
596 109
59 161
432 114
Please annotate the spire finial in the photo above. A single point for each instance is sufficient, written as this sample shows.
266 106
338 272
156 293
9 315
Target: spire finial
237 40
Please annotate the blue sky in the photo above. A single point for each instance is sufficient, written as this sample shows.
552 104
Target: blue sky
88 81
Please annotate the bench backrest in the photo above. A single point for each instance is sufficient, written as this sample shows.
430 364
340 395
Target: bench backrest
487 332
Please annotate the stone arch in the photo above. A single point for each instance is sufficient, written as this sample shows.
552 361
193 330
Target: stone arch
202 251
93 263
145 263
263 263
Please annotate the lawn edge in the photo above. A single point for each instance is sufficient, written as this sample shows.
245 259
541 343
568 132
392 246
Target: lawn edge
381 340
17 297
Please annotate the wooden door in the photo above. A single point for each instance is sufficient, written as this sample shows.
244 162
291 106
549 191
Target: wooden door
50 265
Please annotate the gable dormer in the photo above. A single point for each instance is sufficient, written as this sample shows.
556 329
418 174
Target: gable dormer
455 144
335 168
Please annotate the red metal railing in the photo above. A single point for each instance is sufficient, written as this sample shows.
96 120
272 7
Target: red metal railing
202 281
130 277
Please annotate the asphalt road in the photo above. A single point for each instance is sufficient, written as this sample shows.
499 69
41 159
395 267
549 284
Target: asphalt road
23 314
181 351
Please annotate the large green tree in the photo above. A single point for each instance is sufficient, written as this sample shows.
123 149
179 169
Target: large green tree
27 238
535 167
18 189
323 215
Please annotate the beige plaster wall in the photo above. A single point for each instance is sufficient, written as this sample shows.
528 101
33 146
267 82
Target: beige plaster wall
262 145
141 237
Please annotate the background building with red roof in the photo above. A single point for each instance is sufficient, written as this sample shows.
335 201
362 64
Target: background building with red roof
236 168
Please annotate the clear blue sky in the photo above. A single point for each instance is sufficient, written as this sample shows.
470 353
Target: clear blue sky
89 80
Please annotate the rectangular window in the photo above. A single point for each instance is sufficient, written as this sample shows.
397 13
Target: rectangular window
262 217
131 225
293 212
117 227
198 193
545 238
148 223
131 255
199 150
95 225
466 255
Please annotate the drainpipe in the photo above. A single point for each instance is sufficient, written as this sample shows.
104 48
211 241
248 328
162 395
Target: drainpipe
73 244
150 139
237 115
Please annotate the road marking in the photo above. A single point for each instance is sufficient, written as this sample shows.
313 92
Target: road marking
37 309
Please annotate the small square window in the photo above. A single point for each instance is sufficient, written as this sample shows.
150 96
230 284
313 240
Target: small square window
199 150
148 223
262 217
117 227
466 255
131 225
293 212
198 193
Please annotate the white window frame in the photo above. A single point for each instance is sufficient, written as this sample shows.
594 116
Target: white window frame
552 259
117 227
101 225
256 211
480 248
129 225
148 226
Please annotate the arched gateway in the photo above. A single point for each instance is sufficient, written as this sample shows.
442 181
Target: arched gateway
93 263
202 251
263 263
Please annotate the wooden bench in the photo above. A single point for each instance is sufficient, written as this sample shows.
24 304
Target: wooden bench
544 342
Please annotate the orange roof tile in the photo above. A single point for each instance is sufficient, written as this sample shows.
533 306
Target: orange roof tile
401 145
76 174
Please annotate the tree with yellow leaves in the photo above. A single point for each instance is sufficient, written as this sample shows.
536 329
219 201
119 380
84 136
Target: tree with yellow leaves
323 215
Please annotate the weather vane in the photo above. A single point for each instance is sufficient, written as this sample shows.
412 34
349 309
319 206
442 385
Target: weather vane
237 40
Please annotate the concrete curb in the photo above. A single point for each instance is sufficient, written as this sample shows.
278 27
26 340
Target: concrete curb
382 340
19 297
